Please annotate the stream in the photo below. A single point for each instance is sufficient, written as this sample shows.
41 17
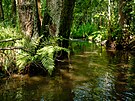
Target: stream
92 74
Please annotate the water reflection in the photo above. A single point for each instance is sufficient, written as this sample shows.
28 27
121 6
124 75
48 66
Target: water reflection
44 89
93 76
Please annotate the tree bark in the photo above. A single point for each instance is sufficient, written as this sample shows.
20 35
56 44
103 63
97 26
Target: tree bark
37 21
54 7
1 11
66 21
45 24
29 17
26 16
65 24
61 16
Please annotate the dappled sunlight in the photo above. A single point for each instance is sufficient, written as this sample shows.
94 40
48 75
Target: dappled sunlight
72 76
67 50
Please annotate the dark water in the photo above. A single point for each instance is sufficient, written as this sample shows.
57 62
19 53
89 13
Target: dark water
91 75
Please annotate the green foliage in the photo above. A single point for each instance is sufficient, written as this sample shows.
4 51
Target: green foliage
7 33
90 19
7 57
43 6
30 50
84 30
33 53
46 56
7 10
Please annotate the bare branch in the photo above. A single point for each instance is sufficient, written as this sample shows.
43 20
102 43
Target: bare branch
7 40
11 48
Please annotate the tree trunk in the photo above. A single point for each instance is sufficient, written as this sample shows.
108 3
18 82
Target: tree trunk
61 16
37 20
13 13
29 17
39 10
54 7
65 24
1 11
122 19
26 16
45 24
124 23
66 21
109 12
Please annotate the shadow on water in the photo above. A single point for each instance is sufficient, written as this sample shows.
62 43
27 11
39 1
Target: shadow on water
90 75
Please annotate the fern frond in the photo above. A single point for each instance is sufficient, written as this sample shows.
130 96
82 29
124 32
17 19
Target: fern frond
23 59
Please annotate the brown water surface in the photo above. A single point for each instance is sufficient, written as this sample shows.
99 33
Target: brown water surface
92 74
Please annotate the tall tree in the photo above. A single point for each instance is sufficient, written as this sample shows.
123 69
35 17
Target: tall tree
61 16
65 24
66 21
1 11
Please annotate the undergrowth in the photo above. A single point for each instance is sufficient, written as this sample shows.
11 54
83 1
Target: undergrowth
17 51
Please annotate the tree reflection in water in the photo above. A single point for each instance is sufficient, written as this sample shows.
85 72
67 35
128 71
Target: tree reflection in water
94 76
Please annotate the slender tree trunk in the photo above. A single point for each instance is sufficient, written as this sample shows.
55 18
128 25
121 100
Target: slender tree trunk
124 22
37 21
109 12
121 14
1 11
66 20
39 10
13 13
45 24
120 41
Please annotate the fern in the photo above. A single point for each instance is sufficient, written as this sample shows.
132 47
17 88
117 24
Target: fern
32 51
44 55
7 57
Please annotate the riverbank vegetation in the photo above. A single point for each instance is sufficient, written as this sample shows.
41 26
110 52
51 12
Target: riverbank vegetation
36 33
